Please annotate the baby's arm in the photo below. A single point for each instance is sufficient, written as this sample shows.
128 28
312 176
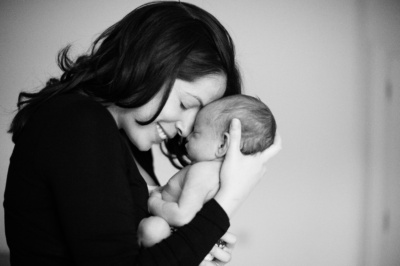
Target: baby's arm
199 185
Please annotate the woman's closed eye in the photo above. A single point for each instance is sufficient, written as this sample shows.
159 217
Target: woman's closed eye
190 102
185 106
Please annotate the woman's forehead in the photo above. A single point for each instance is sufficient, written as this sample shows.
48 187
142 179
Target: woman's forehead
205 89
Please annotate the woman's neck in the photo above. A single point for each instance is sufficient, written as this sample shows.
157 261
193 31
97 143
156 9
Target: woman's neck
149 180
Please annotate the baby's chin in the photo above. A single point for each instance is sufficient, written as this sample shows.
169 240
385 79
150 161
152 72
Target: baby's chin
196 159
193 158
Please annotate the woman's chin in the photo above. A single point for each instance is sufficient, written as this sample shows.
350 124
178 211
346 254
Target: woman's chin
142 145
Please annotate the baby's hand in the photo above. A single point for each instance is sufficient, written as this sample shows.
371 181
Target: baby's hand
156 193
154 199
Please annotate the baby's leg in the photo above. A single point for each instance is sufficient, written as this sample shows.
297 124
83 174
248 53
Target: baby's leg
152 230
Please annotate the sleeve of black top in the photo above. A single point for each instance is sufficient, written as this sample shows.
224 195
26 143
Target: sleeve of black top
88 176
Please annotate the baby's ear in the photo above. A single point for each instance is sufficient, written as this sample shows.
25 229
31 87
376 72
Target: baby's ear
223 146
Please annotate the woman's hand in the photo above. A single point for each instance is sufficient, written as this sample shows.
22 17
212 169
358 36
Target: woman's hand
222 255
241 173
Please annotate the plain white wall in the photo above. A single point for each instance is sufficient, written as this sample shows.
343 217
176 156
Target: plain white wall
300 57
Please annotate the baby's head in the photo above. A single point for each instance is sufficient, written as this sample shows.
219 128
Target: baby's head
210 137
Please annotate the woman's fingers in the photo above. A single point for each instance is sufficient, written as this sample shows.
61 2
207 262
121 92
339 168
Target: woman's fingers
223 252
207 263
230 240
235 133
211 263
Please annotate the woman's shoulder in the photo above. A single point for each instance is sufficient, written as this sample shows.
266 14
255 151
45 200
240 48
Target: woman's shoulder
74 103
75 108
74 122
73 115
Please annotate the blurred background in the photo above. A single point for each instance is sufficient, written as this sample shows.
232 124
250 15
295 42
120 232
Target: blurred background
330 72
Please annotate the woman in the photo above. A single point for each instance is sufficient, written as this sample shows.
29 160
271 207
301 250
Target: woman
77 182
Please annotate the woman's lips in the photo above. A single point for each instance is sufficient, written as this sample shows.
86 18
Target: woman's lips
161 132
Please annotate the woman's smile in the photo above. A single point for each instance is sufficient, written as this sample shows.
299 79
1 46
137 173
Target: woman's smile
161 132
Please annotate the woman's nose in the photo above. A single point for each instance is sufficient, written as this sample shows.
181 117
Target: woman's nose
185 125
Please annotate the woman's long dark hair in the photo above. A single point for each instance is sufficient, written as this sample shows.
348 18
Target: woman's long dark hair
130 62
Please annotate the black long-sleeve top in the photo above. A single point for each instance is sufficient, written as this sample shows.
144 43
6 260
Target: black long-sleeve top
74 195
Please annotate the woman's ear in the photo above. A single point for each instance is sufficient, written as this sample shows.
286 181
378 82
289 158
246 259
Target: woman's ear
223 146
